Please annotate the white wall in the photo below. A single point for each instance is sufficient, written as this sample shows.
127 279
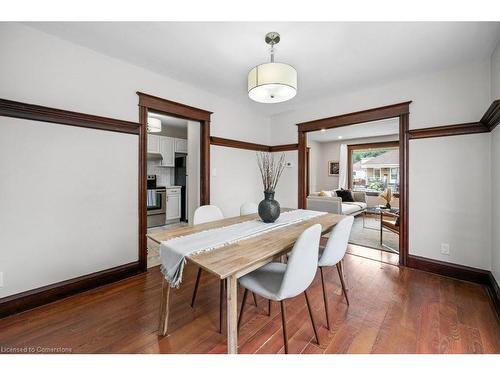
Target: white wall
450 189
495 73
68 202
42 69
457 95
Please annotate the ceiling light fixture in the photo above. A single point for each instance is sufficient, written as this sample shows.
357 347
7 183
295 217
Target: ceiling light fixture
340 137
154 125
272 82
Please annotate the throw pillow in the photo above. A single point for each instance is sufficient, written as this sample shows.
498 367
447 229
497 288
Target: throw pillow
346 195
323 193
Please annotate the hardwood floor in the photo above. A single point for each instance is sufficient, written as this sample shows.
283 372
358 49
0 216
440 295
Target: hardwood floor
392 310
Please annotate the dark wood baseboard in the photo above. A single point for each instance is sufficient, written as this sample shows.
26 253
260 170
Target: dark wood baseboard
456 271
40 296
494 292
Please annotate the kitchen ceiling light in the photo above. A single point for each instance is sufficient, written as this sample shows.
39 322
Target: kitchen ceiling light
154 125
272 82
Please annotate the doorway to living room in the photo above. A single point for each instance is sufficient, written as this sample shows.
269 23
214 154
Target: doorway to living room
355 164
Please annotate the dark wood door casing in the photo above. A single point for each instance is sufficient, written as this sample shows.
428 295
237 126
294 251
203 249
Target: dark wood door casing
149 102
398 110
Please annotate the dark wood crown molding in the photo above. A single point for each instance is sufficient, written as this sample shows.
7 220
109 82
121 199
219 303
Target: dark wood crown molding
449 130
173 108
373 114
10 108
40 296
492 116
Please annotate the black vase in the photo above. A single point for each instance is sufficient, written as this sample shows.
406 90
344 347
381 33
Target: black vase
269 209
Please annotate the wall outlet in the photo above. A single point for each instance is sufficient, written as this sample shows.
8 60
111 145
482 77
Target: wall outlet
1 279
214 172
445 248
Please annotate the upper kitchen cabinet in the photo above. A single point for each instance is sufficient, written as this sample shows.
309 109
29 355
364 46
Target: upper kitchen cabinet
181 145
153 143
167 151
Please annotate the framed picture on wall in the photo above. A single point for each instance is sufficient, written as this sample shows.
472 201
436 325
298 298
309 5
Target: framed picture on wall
333 168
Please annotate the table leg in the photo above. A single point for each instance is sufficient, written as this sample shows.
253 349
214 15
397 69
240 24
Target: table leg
164 308
232 315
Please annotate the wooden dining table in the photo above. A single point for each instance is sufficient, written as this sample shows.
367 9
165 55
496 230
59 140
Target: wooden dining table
236 260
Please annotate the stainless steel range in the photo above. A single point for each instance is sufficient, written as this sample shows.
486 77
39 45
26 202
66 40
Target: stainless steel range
156 203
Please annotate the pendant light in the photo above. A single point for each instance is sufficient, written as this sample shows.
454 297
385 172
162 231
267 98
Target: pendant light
272 82
154 125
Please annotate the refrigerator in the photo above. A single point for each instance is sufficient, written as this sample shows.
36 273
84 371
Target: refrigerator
180 179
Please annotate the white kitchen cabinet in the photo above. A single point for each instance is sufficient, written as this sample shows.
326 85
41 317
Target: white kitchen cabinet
167 151
173 204
181 145
153 143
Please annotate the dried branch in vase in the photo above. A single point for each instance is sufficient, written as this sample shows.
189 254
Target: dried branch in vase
270 169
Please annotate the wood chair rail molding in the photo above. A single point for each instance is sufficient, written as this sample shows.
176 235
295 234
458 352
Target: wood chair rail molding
492 116
40 296
488 122
27 111
225 142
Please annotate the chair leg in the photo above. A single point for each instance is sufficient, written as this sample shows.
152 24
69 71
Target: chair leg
325 299
283 321
245 294
254 299
312 318
342 281
221 303
196 287
269 307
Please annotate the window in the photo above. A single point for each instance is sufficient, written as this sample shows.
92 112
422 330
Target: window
374 167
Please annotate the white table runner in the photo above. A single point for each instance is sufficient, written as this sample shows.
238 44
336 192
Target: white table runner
174 251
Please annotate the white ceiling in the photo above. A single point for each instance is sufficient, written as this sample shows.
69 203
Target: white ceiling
169 121
364 130
330 57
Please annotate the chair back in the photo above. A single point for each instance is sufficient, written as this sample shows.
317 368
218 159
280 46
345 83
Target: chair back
337 242
205 214
302 263
248 208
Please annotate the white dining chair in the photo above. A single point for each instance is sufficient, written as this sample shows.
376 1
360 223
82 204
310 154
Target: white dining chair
279 281
206 214
248 208
332 255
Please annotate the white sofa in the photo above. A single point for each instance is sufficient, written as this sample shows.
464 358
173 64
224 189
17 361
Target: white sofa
335 205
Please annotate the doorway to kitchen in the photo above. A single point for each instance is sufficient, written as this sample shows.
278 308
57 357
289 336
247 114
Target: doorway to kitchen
174 167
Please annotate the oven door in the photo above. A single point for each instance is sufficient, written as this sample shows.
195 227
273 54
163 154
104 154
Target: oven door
156 201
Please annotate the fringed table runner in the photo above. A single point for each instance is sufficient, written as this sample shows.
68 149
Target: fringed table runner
174 251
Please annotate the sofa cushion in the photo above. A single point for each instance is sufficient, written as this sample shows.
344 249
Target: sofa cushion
324 193
349 208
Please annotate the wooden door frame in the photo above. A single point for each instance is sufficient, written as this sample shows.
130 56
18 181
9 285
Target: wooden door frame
153 103
398 110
